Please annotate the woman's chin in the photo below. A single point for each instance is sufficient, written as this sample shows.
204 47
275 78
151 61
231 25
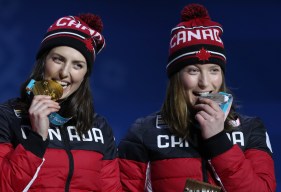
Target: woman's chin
64 96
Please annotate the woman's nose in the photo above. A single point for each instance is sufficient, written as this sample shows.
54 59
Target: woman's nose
203 81
64 71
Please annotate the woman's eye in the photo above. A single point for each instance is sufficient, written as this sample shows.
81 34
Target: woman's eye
78 66
57 59
215 70
193 70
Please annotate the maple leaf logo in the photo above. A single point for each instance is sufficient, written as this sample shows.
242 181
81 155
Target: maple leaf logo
89 45
203 54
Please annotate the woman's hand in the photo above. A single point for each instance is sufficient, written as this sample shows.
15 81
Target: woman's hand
210 117
41 106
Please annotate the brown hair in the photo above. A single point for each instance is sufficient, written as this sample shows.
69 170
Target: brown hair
79 105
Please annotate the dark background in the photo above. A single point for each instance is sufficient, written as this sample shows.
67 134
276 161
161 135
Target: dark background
129 78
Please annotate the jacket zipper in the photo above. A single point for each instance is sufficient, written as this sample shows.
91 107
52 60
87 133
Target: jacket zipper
70 157
216 176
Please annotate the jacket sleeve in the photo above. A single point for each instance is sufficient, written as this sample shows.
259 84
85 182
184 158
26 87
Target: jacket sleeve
110 168
19 162
133 160
249 170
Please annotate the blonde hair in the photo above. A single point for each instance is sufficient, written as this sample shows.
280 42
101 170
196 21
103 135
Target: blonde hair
176 110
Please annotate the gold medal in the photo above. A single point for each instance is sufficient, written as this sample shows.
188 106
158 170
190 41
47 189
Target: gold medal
48 87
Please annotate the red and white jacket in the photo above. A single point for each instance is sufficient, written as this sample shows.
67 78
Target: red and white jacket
64 162
153 159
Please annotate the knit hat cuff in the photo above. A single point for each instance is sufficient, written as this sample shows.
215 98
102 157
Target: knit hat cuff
66 41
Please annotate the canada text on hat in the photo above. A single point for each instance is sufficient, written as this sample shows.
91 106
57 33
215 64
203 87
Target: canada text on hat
82 33
196 40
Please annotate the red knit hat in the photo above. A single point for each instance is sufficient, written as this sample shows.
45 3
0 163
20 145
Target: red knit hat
196 40
82 33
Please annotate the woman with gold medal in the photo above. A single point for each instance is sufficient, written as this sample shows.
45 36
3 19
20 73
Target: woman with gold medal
51 139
